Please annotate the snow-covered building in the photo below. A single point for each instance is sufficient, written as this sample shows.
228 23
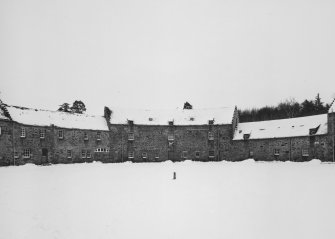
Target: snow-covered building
294 139
213 134
44 136
160 135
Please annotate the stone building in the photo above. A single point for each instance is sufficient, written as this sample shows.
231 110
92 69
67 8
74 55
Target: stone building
176 135
43 137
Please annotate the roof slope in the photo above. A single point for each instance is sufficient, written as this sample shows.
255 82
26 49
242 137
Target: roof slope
282 128
57 118
222 115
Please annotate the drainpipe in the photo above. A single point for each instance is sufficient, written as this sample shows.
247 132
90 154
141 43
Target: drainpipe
333 137
122 144
13 142
290 149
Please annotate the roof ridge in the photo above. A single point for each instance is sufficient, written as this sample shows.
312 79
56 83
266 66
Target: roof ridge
52 111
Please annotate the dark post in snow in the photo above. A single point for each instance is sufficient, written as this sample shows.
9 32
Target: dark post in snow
174 175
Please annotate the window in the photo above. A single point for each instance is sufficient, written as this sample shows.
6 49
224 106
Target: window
131 136
42 133
83 154
170 137
210 136
88 154
16 155
99 136
144 155
60 134
171 123
69 153
251 153
23 132
26 153
246 136
157 156
276 152
131 155
197 154
85 136
211 154
305 152
102 150
184 154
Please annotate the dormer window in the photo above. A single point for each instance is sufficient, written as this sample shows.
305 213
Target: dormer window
151 119
191 118
170 123
246 136
210 122
23 132
210 136
131 136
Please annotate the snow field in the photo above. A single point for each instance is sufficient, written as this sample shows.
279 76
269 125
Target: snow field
207 200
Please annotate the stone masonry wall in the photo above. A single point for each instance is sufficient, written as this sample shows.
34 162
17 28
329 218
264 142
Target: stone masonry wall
288 149
151 143
82 144
6 151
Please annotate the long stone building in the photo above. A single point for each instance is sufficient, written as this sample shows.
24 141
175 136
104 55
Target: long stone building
44 137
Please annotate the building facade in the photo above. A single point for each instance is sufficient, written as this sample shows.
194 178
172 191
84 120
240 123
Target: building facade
51 137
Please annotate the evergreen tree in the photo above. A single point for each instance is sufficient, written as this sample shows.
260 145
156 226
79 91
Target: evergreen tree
318 104
65 107
78 107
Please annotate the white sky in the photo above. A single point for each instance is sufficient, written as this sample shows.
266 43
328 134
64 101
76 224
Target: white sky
158 54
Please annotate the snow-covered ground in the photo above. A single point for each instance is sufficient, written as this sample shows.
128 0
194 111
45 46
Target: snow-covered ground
207 200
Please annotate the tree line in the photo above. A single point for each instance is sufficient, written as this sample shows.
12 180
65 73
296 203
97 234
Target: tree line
288 108
77 107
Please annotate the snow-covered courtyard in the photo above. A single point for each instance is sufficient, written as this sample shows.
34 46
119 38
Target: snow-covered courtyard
207 200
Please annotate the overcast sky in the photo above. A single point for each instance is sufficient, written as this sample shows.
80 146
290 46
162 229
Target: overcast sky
159 54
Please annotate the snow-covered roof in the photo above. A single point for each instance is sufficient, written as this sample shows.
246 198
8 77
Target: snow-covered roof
283 128
222 115
57 118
